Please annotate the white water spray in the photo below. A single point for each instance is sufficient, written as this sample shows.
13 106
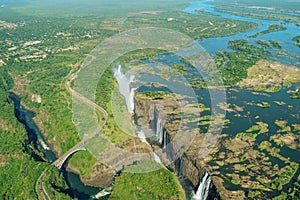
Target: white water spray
128 93
159 131
203 189
43 144
125 89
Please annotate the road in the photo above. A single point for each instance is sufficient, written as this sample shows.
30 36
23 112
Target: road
40 185
85 100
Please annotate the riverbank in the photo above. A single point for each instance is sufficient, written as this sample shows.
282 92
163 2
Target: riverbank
36 138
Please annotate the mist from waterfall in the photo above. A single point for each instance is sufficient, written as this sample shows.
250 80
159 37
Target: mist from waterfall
125 89
203 188
128 93
159 131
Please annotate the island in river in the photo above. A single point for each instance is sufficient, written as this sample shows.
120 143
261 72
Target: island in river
262 120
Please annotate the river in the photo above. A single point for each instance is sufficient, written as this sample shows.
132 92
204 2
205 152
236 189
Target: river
234 96
35 137
284 37
246 99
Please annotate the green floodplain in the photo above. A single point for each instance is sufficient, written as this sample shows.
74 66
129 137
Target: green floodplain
43 43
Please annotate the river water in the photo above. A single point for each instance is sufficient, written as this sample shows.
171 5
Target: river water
35 137
246 99
243 98
284 37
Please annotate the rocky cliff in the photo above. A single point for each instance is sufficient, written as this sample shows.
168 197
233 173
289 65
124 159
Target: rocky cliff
164 118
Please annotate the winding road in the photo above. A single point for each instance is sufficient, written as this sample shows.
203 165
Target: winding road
71 77
40 186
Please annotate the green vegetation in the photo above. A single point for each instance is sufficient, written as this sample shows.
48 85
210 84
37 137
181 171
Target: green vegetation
260 9
265 44
297 40
197 84
94 8
244 46
44 42
107 87
263 105
235 69
192 25
296 94
18 170
254 193
157 95
20 164
205 120
287 172
275 44
259 127
247 137
272 77
159 184
84 161
269 44
204 12
260 14
233 65
278 4
235 182
271 28
280 103
283 125
55 184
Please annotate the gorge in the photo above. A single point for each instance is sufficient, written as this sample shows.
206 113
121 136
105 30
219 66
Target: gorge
155 125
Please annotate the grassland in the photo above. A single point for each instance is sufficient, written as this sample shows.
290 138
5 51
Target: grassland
48 43
277 4
246 11
233 65
272 76
269 44
160 184
260 8
241 163
271 28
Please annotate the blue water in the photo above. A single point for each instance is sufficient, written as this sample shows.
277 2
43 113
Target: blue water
283 37
246 99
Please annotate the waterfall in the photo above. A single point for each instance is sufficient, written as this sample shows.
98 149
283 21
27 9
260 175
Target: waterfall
128 92
130 103
156 158
142 136
179 167
43 144
119 69
203 188
103 193
165 139
159 131
125 89
161 134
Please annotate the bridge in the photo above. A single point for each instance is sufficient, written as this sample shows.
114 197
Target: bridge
61 160
80 146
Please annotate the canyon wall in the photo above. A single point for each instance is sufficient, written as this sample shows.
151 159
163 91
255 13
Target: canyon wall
158 117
